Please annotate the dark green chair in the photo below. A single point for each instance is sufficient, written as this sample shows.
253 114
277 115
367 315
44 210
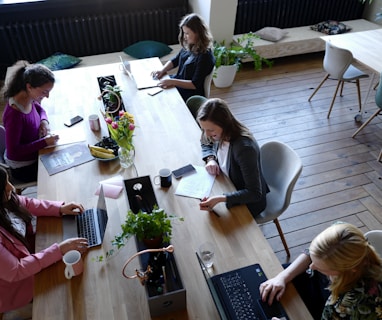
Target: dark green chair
193 103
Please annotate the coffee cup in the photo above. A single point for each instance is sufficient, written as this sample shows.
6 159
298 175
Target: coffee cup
94 122
164 178
74 264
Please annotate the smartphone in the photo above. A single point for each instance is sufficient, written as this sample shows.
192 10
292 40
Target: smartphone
73 121
154 91
178 173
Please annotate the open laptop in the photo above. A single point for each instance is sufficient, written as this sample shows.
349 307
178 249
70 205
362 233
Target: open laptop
236 294
91 224
140 72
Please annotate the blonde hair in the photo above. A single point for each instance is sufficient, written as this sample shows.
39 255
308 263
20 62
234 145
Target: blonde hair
344 249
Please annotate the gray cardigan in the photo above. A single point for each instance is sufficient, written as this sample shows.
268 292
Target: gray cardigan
244 169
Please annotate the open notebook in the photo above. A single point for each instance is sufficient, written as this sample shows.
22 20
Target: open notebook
236 294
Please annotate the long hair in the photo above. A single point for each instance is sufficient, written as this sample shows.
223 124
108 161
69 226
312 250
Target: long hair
198 26
11 205
216 111
344 249
34 74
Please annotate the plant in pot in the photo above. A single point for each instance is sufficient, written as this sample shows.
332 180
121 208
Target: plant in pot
228 59
111 96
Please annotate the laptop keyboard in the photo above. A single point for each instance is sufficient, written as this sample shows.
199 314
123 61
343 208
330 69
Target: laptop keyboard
86 229
240 296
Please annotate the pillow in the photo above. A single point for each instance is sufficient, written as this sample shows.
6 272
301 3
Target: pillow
147 49
59 61
271 33
331 27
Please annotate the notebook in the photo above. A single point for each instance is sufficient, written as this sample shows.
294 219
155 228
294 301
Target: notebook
91 224
140 72
236 294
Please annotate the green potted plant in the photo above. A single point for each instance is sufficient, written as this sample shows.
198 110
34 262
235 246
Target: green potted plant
111 96
228 59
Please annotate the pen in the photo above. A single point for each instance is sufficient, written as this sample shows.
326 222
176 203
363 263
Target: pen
209 209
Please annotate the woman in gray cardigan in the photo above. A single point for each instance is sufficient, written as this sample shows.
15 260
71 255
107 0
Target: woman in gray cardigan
229 147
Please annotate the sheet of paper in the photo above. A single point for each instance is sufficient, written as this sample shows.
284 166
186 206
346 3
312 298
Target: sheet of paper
196 185
69 135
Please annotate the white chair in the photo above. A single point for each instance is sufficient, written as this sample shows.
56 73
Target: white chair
19 185
338 66
375 239
207 84
281 168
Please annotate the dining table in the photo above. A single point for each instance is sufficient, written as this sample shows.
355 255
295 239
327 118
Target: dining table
166 136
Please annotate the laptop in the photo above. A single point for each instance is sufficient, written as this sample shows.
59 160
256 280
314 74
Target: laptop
236 294
140 72
91 224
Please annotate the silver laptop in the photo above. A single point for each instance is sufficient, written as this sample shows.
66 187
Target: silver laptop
91 224
140 71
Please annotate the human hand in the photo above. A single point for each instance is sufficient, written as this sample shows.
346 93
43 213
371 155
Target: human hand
213 168
208 203
166 84
79 244
44 129
71 209
52 139
272 289
158 74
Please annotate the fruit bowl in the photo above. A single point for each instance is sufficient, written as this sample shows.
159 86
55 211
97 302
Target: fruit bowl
107 143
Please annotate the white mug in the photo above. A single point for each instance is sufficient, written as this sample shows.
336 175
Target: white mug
94 122
74 264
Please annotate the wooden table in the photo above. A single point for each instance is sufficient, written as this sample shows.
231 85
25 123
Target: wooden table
366 47
166 136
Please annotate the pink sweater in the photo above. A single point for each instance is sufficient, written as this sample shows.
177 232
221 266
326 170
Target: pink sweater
18 266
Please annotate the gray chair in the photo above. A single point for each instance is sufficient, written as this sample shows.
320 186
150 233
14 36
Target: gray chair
193 103
338 66
281 168
375 239
378 102
19 185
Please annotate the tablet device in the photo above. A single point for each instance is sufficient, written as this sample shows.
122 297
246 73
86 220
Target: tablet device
178 173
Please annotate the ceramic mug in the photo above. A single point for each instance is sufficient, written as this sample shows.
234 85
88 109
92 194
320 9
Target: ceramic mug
164 178
74 264
94 122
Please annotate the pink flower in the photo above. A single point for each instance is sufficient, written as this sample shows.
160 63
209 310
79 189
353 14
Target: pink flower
131 126
121 113
114 125
109 120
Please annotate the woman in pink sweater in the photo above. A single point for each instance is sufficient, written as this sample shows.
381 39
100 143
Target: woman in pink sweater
19 263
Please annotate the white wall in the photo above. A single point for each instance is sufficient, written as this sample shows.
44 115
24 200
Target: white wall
220 15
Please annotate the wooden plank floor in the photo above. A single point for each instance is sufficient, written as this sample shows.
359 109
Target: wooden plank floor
341 178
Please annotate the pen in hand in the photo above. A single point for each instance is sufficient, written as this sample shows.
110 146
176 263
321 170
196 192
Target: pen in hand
209 208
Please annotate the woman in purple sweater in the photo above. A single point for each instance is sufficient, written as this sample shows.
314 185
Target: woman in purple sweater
25 121
19 263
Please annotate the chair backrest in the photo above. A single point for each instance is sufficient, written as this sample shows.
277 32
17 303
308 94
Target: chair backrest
193 103
336 60
281 167
207 84
2 143
375 239
378 94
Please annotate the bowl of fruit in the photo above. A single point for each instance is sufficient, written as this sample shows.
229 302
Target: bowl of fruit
104 150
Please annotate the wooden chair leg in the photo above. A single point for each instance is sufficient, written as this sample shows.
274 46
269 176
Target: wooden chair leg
334 98
276 221
367 122
319 86
342 88
359 95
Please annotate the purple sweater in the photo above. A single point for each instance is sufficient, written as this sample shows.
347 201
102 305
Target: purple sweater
22 132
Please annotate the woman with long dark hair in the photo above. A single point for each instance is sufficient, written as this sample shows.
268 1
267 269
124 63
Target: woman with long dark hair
19 263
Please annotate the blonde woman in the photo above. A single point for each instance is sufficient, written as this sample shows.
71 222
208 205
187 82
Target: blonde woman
352 266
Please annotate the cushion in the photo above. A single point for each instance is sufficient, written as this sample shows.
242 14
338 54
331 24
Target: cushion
59 61
147 49
331 27
271 33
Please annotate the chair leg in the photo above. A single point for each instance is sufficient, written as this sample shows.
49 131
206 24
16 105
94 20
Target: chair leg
334 98
342 88
367 122
276 221
359 95
380 156
319 86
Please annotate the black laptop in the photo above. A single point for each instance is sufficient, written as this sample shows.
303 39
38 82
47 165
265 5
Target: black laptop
91 224
237 297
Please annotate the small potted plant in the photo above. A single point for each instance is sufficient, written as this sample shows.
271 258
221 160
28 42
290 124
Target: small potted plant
228 59
111 96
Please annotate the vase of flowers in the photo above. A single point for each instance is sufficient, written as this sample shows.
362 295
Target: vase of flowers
121 129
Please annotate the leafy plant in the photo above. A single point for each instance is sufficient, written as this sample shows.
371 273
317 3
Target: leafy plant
111 93
234 54
144 226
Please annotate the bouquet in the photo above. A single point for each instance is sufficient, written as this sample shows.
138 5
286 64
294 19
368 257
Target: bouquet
121 128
